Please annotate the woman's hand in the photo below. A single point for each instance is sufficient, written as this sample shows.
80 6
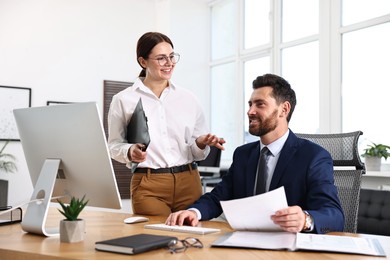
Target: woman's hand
137 153
210 140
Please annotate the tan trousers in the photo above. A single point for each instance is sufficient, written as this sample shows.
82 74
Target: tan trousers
164 193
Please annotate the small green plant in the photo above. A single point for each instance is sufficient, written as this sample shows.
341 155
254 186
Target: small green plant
377 150
7 161
72 211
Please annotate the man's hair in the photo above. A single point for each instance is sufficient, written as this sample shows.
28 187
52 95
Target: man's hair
281 90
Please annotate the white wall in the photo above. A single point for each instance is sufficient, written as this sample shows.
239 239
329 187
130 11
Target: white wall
64 49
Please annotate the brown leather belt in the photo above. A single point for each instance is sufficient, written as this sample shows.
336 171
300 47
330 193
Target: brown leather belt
175 169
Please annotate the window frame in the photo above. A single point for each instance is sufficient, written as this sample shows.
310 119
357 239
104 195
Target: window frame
330 58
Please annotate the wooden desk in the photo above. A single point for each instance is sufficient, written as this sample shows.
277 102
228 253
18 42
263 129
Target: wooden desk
16 244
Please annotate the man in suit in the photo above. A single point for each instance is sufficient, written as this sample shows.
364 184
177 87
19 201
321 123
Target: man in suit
304 169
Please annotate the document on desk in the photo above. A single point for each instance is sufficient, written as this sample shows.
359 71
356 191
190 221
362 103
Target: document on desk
301 241
341 244
255 239
254 213
251 219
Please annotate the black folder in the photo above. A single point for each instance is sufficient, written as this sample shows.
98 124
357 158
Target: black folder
137 129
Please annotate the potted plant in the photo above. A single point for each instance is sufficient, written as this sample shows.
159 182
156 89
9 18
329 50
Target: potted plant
72 228
7 164
373 155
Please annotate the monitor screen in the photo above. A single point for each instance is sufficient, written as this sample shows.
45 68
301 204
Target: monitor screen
209 167
67 155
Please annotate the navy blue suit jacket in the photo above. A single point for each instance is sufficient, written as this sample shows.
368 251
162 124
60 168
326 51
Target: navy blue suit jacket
304 168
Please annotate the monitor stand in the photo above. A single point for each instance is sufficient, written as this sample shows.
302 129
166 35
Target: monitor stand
35 218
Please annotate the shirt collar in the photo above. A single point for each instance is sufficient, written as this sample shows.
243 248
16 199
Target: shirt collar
276 146
139 83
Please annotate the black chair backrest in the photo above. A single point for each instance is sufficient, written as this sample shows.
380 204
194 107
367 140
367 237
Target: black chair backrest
343 147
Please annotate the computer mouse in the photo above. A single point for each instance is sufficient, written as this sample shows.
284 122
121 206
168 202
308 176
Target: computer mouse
136 219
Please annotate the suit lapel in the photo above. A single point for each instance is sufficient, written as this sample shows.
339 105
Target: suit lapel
287 153
252 169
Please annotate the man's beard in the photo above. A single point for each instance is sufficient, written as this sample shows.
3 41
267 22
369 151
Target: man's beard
265 126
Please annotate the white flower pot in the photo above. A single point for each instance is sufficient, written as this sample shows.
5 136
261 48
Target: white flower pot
72 231
373 163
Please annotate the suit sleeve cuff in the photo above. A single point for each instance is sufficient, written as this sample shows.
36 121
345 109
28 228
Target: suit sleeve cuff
198 214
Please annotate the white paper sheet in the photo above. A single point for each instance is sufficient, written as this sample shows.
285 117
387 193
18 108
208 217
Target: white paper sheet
254 213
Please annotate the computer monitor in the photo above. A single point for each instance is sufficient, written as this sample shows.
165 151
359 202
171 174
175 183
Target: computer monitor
67 155
210 167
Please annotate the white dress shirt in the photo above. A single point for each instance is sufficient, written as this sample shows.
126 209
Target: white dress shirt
175 120
275 148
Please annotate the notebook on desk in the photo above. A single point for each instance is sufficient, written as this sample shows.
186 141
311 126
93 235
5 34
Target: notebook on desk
134 244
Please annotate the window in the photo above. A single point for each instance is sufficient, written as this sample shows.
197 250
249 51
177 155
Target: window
224 109
333 53
299 19
304 80
256 23
223 33
355 11
252 68
365 85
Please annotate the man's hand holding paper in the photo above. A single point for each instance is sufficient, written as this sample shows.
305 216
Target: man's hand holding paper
254 213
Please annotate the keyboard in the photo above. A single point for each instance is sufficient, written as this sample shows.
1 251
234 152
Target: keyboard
184 229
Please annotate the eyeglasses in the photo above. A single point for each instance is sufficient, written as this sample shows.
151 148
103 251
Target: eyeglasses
162 59
179 246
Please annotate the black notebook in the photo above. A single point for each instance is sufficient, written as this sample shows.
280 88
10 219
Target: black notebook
134 244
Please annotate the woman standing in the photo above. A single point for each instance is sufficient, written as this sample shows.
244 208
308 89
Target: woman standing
166 178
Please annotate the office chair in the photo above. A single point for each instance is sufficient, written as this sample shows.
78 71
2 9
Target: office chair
374 212
348 170
209 168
